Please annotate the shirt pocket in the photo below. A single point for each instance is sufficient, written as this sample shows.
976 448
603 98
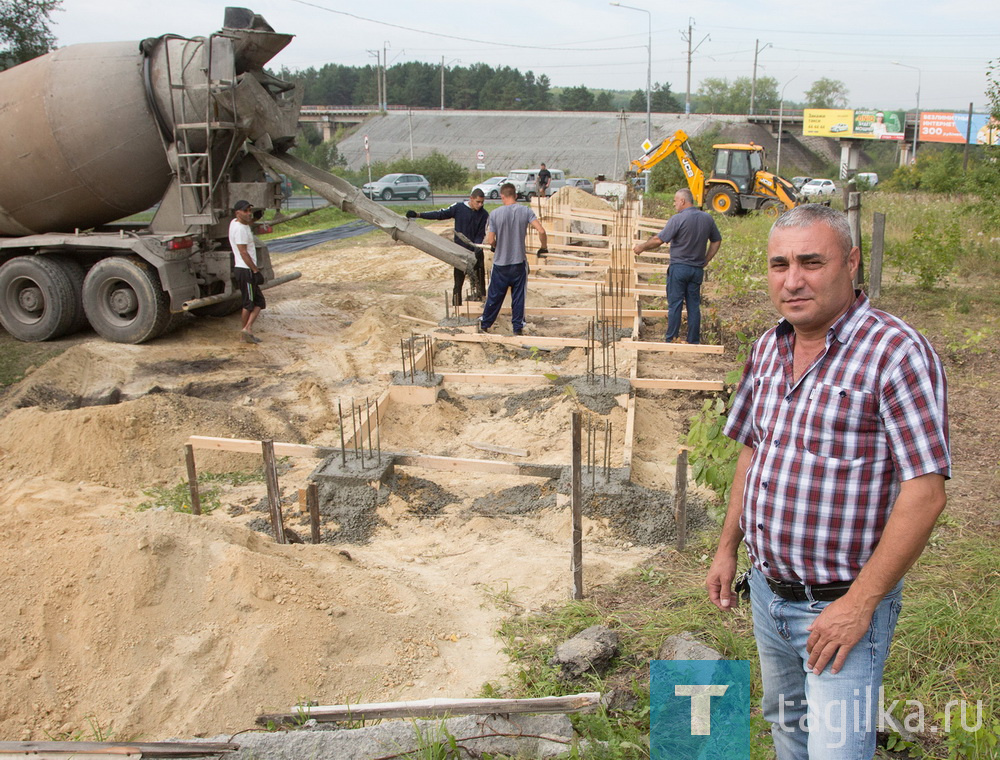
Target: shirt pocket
840 423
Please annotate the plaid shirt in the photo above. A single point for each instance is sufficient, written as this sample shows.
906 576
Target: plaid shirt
830 450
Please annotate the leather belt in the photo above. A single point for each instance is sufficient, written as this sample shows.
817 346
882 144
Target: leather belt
798 592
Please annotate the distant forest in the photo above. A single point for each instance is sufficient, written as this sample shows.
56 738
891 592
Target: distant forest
479 86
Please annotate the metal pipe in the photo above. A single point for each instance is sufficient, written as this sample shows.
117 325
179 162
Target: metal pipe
197 303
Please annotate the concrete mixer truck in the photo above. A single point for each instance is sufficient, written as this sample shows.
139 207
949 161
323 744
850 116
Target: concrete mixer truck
94 133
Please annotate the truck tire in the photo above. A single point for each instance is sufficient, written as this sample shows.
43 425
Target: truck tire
36 299
124 301
530 196
723 200
772 209
75 272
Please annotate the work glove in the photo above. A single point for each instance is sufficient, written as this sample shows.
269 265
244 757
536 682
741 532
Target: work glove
542 251
258 278
411 214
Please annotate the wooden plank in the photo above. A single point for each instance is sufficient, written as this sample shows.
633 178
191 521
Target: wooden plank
498 449
680 498
455 464
273 493
650 383
484 378
243 446
433 708
513 340
312 500
677 348
418 320
576 507
120 749
630 420
192 474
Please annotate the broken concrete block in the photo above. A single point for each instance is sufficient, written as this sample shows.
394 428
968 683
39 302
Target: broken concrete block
590 650
685 646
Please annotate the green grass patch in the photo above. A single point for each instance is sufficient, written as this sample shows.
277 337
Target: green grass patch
17 358
177 498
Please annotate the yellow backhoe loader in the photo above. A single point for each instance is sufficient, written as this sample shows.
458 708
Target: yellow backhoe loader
739 182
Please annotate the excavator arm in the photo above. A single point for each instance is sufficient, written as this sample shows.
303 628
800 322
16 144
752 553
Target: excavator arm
676 144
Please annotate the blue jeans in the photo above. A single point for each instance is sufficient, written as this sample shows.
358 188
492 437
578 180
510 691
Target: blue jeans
515 278
684 286
824 717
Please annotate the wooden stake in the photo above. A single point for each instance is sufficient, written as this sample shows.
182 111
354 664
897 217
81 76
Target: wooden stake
192 479
680 498
878 251
273 494
576 562
312 500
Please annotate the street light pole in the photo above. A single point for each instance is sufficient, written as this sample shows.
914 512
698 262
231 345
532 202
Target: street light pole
781 117
649 64
916 128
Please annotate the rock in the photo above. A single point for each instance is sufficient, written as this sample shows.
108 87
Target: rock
590 650
685 646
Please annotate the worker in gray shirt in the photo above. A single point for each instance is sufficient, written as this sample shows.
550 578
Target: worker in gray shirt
505 232
694 240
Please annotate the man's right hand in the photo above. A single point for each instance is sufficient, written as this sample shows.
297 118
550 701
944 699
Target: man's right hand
542 251
411 214
720 582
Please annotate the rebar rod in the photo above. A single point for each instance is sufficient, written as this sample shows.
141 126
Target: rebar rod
343 451
378 433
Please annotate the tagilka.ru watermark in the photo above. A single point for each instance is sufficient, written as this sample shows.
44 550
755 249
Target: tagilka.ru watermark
860 713
700 710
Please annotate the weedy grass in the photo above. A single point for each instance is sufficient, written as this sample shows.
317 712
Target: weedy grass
177 498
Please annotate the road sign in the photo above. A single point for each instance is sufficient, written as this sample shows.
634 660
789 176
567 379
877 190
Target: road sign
480 167
480 155
366 143
646 145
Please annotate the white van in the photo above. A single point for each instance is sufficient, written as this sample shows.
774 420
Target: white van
526 181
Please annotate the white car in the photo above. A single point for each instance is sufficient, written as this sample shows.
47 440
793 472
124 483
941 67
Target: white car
491 187
816 187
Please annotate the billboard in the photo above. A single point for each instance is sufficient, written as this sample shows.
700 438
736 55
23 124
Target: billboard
879 125
948 127
870 124
828 122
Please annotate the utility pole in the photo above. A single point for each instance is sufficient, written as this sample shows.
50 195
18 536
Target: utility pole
753 83
688 37
442 83
378 77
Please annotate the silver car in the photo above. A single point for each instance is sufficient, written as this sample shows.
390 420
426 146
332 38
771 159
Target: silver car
398 186
581 183
491 187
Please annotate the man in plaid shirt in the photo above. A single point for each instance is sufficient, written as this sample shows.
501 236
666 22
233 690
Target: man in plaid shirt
842 413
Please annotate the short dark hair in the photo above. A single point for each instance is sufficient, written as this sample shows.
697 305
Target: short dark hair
477 193
809 214
508 189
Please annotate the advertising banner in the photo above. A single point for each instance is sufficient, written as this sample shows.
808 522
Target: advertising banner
828 122
879 125
948 127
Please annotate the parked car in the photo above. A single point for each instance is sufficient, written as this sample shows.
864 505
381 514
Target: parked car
817 187
868 179
525 182
491 187
398 186
581 183
798 182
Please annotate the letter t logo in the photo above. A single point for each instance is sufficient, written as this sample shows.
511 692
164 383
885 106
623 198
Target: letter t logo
701 705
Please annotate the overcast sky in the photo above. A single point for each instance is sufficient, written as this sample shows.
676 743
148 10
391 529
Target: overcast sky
946 45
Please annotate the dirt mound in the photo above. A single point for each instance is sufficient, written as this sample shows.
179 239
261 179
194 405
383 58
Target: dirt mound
131 444
574 196
166 624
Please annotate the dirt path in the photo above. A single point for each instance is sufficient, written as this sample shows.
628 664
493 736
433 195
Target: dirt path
161 624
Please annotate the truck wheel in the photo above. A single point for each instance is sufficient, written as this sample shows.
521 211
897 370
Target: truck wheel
723 200
530 196
772 209
387 194
421 194
74 271
36 298
124 301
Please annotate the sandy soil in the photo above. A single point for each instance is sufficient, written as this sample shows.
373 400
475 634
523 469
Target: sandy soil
161 624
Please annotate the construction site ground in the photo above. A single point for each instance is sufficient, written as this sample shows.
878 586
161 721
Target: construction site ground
154 624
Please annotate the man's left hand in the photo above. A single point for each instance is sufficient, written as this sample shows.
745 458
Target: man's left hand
834 633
